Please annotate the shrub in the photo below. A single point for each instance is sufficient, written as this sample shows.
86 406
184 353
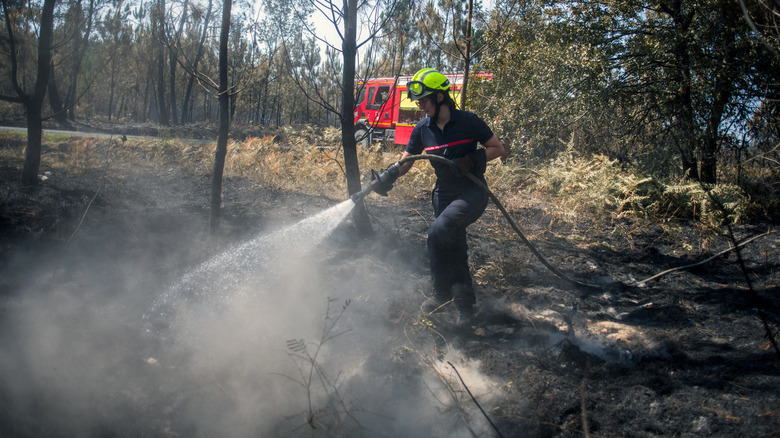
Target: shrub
592 185
596 186
690 200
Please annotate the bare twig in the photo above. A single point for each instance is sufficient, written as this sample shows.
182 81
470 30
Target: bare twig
475 400
681 268
768 331
310 372
755 30
78 227
421 216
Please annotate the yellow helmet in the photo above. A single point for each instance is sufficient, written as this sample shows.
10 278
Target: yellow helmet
425 82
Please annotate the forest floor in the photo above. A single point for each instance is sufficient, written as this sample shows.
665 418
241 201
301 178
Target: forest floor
85 253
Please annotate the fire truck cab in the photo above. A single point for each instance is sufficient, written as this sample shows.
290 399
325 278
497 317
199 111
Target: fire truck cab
384 113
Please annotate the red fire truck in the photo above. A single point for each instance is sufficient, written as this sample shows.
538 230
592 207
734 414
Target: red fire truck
385 113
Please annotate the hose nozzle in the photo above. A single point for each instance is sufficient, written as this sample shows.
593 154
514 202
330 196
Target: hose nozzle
381 183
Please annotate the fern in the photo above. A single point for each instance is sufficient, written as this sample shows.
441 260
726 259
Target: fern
594 185
597 186
690 200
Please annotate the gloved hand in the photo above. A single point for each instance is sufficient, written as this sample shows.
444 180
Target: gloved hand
474 162
383 183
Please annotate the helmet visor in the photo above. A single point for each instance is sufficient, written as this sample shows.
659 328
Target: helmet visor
417 89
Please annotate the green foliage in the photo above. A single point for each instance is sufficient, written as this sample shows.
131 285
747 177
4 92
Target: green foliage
643 84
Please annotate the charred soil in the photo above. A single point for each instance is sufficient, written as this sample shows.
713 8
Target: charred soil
684 355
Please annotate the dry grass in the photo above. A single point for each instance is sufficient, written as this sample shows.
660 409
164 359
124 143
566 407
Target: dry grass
570 187
595 186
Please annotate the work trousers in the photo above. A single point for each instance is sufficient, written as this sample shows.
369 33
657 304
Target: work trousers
447 246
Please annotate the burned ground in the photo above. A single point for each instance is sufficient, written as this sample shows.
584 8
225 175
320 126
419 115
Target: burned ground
684 355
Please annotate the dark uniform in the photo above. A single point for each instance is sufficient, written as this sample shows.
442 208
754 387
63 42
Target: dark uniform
457 201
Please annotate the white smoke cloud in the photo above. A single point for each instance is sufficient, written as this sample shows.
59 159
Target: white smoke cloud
218 352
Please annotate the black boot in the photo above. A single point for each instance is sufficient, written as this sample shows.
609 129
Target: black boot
465 300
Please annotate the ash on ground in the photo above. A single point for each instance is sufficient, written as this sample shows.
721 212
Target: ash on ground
85 254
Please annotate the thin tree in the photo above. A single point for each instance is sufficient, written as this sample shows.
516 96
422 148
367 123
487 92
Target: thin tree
454 38
344 18
158 30
78 29
32 101
224 117
466 53
186 112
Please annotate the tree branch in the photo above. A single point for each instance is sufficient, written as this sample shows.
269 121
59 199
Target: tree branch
682 268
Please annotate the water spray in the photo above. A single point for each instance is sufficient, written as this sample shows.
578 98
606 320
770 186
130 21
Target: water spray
381 183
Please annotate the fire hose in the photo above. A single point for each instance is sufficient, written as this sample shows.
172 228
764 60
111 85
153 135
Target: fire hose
380 180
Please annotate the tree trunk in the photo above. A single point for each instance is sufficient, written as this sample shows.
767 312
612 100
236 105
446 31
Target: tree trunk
682 103
55 100
145 114
172 55
162 111
174 118
687 130
690 166
121 109
224 118
79 50
352 168
32 155
709 159
467 57
111 89
232 103
186 106
264 112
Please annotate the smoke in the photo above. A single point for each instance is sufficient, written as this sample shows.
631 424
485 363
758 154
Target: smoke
294 333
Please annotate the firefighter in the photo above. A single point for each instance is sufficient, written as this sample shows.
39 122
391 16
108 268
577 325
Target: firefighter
457 200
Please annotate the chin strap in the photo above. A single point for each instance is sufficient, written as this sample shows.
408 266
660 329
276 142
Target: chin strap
438 108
